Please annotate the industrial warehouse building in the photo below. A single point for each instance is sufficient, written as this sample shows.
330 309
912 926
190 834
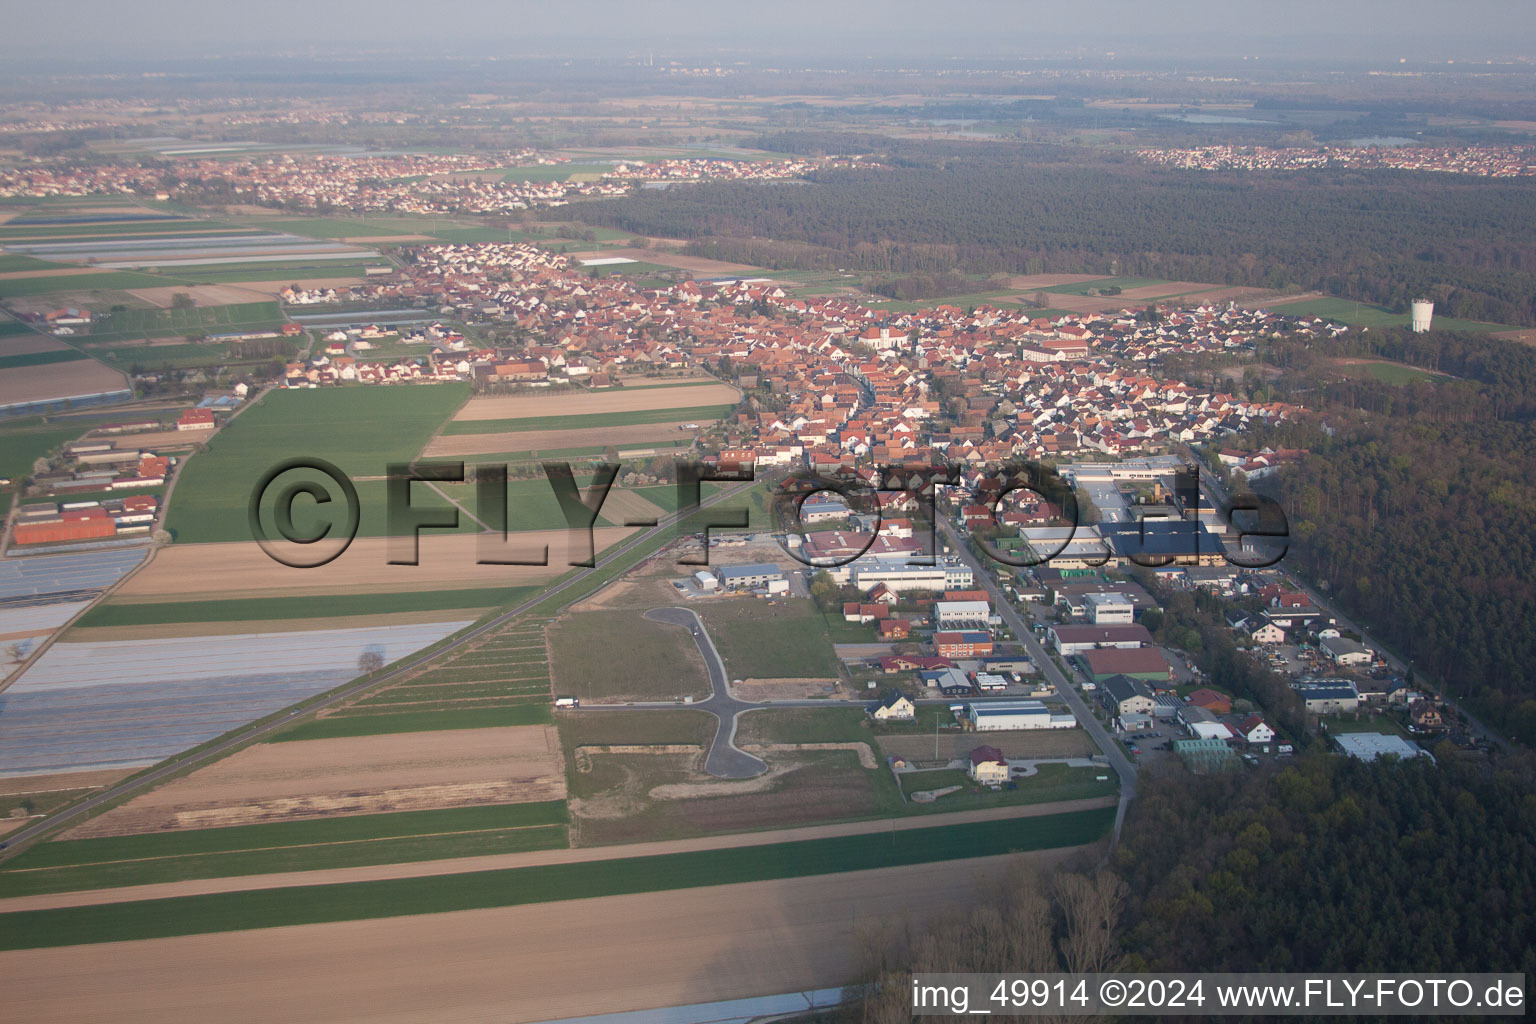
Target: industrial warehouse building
1000 715
1145 663
1326 698
961 613
739 577
1070 640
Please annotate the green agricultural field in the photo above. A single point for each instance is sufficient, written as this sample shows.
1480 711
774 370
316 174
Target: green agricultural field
21 444
72 865
193 915
701 413
771 639
12 264
118 230
361 430
251 609
1360 314
178 357
106 280
343 227
531 504
131 324
619 655
362 723
66 355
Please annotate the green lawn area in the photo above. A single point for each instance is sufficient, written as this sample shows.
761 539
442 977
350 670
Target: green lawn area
1389 373
619 655
1050 783
842 631
603 728
701 413
554 172
1125 284
366 723
250 609
833 724
193 915
361 430
786 638
71 865
1360 314
1387 724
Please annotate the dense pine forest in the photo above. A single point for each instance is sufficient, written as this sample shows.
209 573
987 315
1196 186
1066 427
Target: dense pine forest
1379 236
1334 865
1415 507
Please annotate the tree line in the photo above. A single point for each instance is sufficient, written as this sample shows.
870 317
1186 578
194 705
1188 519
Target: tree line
1374 236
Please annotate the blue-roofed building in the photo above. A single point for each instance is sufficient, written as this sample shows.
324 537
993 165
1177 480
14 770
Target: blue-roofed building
750 577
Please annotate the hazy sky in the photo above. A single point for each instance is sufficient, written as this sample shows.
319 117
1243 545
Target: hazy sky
1377 28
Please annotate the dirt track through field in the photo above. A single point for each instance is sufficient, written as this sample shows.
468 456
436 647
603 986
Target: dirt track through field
510 965
456 445
489 862
237 570
506 407
355 775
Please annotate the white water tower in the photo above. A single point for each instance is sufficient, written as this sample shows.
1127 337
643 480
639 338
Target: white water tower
1423 309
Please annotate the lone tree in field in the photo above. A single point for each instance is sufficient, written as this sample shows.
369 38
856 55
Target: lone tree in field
370 661
181 300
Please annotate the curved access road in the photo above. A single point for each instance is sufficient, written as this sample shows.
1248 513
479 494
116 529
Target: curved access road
725 759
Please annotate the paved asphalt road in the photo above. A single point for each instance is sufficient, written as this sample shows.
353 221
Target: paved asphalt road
18 839
724 759
1118 759
1217 495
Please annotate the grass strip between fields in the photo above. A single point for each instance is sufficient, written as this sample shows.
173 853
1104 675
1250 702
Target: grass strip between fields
363 722
397 897
253 609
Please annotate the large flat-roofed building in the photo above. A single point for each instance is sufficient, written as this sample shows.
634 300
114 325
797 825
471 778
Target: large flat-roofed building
899 576
1000 715
1368 746
1069 640
1145 663
1109 609
761 574
948 613
1327 697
